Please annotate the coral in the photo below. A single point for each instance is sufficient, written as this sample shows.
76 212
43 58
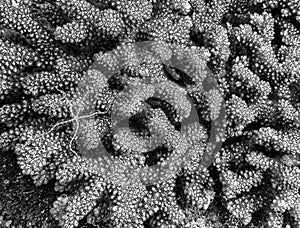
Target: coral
150 113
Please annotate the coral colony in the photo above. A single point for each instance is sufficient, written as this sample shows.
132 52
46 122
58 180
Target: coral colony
150 113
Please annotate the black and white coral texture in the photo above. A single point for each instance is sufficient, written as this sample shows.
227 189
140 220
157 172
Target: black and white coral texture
96 130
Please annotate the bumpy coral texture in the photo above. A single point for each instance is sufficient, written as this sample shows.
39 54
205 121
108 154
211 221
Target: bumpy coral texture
73 72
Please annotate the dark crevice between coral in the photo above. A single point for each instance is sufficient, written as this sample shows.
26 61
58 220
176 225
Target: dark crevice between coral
168 109
178 76
156 155
236 19
218 202
23 203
